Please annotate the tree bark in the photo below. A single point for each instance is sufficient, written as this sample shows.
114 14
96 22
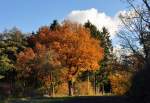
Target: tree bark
70 89
53 90
95 83
88 83
52 84
103 90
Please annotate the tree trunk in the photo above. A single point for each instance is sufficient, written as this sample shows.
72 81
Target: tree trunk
103 90
95 83
70 88
52 84
88 84
53 90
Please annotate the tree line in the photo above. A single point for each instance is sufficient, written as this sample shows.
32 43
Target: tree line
61 59
74 59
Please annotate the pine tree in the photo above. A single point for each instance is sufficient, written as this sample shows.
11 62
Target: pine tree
101 76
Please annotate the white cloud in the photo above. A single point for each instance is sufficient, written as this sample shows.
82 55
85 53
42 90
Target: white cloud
119 51
99 19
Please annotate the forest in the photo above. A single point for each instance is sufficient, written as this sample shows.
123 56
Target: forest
70 59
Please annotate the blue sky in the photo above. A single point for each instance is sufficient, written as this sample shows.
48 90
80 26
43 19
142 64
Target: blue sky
29 15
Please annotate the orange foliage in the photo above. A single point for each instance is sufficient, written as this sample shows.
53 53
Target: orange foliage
25 56
120 82
38 60
74 45
24 65
73 48
62 89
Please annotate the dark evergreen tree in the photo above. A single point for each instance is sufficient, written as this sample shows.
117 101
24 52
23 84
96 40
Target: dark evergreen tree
101 76
54 25
11 43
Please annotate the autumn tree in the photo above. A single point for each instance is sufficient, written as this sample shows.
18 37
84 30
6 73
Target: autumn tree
77 51
120 81
81 52
37 64
23 67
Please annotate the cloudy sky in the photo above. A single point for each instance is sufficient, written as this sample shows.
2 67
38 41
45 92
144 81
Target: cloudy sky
29 15
98 18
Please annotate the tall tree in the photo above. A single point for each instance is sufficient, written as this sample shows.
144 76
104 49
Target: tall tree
105 42
11 43
36 65
135 35
76 50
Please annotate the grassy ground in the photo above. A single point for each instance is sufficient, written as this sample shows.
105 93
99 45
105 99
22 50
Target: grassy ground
79 99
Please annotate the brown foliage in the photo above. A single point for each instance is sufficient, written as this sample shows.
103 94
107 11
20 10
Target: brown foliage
120 82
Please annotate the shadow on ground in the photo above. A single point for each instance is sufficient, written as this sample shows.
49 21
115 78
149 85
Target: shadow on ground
83 99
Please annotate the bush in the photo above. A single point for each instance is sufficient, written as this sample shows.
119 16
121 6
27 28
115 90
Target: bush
84 88
62 90
120 82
